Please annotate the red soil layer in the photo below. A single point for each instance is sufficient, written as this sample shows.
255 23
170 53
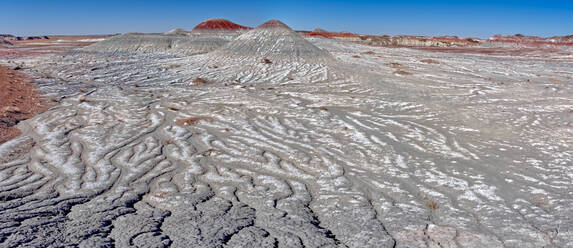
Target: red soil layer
18 101
533 40
219 24
331 34
273 24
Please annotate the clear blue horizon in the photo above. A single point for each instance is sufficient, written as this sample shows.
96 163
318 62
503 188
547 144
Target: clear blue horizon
432 18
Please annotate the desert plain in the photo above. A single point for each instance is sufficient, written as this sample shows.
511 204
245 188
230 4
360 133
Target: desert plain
230 136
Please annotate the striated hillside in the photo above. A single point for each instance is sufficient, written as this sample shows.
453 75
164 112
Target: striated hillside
272 40
519 40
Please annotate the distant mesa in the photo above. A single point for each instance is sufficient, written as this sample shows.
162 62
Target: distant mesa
418 41
396 41
9 37
519 40
438 41
218 23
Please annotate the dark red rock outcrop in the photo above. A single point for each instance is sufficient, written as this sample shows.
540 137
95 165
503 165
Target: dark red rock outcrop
218 23
273 24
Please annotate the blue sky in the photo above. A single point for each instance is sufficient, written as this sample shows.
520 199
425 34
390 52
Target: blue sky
437 17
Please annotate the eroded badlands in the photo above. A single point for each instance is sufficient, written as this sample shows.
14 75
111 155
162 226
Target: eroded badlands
275 140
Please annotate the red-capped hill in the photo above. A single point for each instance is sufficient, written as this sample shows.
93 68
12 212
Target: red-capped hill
218 23
272 41
273 24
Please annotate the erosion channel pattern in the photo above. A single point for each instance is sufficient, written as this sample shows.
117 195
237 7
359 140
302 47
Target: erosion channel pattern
367 147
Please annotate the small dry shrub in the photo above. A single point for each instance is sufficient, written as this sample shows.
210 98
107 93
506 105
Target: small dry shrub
555 80
46 75
356 56
173 107
199 81
267 61
429 61
540 202
173 66
192 121
402 72
160 195
432 205
369 52
12 109
394 64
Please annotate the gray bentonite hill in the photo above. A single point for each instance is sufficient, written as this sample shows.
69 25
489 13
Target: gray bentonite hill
158 43
205 37
273 40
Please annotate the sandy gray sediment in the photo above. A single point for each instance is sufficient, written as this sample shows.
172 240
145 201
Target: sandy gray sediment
471 151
